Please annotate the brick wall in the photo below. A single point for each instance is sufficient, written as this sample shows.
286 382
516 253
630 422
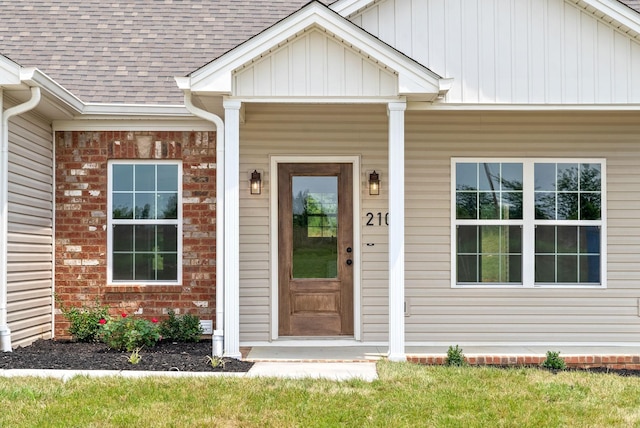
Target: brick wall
81 221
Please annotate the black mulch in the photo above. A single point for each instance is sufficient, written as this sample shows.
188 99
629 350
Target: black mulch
165 356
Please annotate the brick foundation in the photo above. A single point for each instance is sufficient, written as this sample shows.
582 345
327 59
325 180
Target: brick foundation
81 220
616 362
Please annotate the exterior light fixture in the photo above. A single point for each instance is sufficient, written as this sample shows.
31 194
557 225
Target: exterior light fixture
256 182
374 183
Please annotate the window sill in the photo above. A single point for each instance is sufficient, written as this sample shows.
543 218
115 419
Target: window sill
529 287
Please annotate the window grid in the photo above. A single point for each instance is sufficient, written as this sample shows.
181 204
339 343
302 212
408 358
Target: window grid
144 220
586 265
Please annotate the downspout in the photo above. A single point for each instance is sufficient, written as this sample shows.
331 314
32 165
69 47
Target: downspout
5 332
218 333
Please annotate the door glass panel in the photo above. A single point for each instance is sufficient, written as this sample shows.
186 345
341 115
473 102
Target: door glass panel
315 227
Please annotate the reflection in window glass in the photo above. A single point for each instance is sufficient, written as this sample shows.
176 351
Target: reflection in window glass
561 231
489 191
315 227
567 191
567 254
142 248
489 254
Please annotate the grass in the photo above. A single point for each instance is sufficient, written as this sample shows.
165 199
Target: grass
406 395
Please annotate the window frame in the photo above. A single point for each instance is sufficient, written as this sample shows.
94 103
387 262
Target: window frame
111 222
529 223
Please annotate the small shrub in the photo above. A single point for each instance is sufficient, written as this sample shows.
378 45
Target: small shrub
554 361
215 361
84 320
185 328
128 333
455 357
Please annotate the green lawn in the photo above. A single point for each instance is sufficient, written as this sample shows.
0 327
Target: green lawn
406 395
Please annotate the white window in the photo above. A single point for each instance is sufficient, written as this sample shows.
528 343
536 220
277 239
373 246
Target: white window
528 222
144 222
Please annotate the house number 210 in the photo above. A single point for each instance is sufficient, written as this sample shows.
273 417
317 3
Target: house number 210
373 221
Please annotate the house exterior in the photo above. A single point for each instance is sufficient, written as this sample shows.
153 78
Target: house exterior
392 173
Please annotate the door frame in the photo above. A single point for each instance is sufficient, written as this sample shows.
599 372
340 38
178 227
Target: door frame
273 232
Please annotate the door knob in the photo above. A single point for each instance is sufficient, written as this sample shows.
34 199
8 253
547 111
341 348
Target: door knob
349 249
349 262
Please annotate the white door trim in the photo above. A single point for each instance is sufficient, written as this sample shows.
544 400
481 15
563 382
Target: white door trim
273 231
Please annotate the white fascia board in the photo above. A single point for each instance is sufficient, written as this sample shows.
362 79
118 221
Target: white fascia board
184 83
81 110
318 100
34 77
417 106
616 11
128 124
349 7
9 72
216 77
96 109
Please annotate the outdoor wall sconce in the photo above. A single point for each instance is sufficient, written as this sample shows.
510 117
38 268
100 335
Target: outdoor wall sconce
374 183
256 182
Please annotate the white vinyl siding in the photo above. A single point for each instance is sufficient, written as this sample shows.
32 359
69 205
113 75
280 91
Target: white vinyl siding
30 230
512 51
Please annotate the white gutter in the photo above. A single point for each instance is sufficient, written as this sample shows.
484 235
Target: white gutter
5 332
218 333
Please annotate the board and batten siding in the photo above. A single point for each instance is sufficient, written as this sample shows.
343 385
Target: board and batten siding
314 64
303 130
512 51
30 229
439 313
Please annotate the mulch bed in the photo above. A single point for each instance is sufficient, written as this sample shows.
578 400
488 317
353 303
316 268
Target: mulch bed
165 356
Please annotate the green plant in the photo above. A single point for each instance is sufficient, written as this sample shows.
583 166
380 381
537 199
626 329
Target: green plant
128 333
185 328
554 361
135 356
215 361
84 320
455 357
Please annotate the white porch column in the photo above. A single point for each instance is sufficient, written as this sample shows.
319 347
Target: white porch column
396 231
232 229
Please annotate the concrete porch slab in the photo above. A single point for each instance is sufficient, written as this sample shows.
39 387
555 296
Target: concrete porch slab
316 354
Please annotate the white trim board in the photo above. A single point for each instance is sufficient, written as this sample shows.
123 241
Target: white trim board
160 125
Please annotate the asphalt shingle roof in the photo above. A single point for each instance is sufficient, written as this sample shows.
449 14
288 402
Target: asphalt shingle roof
124 51
633 4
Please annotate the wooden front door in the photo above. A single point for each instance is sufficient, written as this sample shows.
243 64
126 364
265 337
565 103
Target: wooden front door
315 246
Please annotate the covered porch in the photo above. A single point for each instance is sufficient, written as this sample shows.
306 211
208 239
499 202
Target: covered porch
335 63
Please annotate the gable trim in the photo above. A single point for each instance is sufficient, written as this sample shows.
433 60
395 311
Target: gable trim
621 16
413 78
9 72
351 7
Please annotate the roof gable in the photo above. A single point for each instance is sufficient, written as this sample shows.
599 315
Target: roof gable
314 63
413 79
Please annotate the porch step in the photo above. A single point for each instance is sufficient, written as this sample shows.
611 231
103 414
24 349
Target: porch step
311 354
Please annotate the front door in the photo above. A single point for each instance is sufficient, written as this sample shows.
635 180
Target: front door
315 246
